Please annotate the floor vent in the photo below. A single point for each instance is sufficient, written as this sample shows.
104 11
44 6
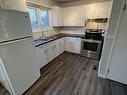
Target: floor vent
95 68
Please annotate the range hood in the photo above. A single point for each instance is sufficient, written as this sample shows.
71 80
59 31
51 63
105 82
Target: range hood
98 20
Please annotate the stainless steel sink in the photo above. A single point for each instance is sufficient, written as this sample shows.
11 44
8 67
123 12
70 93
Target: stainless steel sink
45 39
51 37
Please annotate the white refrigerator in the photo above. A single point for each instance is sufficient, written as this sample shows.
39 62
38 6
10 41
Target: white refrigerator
18 70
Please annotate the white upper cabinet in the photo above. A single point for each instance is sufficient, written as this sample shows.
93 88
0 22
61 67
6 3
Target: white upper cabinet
104 9
57 16
77 15
1 4
19 5
98 10
73 16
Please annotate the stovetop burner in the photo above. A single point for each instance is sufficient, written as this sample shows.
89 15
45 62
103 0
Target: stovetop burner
94 34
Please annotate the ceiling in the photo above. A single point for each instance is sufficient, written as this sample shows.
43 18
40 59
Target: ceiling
66 3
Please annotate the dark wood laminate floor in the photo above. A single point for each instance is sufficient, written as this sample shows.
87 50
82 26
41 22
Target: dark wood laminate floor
71 74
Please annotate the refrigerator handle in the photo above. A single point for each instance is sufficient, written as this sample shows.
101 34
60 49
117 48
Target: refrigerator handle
15 40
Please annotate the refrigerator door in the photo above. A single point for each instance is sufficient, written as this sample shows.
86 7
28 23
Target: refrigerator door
19 62
14 25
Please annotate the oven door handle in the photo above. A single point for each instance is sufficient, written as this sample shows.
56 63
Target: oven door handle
91 41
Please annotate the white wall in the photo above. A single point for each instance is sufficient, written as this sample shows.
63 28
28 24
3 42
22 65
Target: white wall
46 3
80 31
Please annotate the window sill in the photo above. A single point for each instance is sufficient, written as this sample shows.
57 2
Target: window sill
42 30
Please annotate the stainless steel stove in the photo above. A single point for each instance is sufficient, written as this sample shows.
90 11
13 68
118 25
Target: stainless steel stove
92 44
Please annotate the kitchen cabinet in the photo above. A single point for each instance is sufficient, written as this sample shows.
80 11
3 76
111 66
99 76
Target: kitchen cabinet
102 10
73 44
77 45
68 44
77 15
98 10
73 16
42 53
50 48
61 45
47 52
1 4
19 5
53 50
56 48
57 16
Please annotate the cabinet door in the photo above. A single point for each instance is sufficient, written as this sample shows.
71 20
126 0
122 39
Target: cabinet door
61 46
77 45
102 10
73 44
56 48
19 5
68 44
50 47
57 16
42 55
1 4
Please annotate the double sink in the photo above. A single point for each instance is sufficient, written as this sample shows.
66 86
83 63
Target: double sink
45 40
48 38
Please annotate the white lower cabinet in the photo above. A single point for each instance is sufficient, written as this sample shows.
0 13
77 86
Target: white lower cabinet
56 48
53 50
61 45
77 45
46 53
73 44
68 44
42 52
50 48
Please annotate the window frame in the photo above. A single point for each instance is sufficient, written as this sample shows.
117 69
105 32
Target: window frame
36 17
42 20
39 20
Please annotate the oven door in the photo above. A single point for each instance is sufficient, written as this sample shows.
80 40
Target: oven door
91 48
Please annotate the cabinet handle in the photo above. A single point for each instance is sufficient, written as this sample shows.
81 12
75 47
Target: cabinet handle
45 51
124 7
55 46
52 47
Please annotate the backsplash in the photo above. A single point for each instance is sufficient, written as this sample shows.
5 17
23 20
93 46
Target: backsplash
45 33
72 30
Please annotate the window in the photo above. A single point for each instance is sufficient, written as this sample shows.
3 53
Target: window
44 19
33 17
39 18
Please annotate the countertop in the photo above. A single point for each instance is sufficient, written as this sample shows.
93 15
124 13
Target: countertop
40 42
